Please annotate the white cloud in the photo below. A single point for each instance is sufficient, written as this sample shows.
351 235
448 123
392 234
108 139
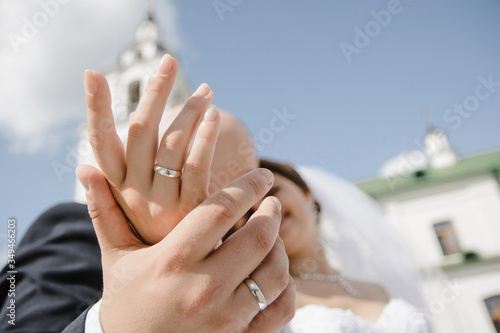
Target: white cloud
41 86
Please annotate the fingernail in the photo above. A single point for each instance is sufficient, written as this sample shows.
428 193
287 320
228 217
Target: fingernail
202 90
277 203
166 64
85 183
90 82
211 114
268 175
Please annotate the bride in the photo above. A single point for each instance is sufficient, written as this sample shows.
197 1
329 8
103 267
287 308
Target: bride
328 301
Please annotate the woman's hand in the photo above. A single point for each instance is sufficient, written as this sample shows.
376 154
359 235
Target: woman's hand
154 203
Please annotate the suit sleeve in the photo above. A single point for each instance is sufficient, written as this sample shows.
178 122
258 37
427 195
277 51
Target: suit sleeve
59 274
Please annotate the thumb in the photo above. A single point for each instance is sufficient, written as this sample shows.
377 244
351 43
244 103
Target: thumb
110 223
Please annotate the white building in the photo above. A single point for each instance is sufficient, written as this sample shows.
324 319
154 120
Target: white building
448 208
135 65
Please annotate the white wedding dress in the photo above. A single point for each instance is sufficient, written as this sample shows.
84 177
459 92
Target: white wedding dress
398 316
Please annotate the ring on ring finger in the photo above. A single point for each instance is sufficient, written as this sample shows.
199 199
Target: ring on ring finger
256 292
171 173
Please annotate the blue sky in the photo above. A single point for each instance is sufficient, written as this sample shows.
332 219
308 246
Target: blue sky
263 58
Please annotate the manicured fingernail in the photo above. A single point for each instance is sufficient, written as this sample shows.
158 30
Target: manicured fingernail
268 175
211 114
202 90
166 64
90 82
277 203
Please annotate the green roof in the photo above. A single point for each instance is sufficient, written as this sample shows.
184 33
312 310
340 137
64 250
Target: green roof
480 164
464 263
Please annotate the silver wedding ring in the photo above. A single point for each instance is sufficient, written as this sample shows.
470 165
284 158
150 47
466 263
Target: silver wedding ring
168 172
257 293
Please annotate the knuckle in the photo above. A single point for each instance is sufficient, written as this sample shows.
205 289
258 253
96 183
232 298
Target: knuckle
282 279
96 138
209 133
210 137
135 202
95 212
156 83
227 206
107 126
172 142
195 168
262 240
137 128
175 262
255 185
95 105
202 298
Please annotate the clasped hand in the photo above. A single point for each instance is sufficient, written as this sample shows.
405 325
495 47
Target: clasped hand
179 284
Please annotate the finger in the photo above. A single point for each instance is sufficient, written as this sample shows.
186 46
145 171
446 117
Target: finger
142 141
109 222
271 276
107 146
253 244
196 175
175 142
197 234
277 314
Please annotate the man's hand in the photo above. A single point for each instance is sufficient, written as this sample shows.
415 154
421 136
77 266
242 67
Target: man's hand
181 284
153 203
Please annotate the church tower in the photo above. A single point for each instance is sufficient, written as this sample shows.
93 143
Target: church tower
439 152
127 82
436 153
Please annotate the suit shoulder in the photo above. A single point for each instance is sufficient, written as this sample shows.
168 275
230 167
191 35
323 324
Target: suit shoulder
64 211
64 218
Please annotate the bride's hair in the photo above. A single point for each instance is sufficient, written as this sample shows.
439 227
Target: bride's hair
287 171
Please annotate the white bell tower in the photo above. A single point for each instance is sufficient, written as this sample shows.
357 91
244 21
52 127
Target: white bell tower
127 82
437 147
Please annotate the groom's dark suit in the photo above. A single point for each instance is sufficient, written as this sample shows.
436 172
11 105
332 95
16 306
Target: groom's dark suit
59 273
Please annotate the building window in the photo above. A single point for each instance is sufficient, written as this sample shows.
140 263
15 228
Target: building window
134 94
493 306
447 238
